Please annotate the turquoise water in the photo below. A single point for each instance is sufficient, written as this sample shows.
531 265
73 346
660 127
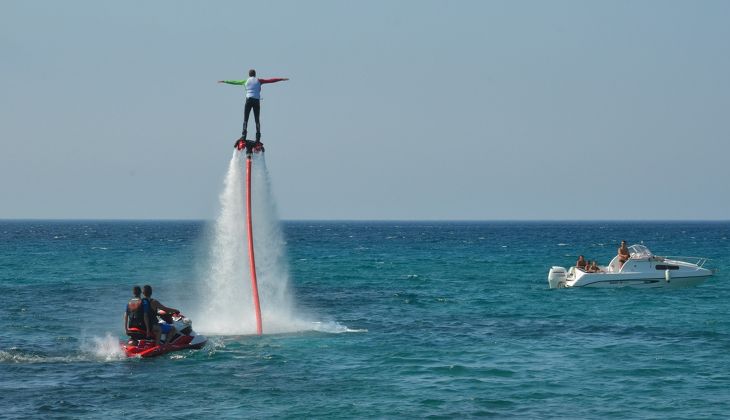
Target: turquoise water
432 319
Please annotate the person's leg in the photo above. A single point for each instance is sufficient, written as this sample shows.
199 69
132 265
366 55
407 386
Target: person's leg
256 112
171 334
246 113
156 332
166 330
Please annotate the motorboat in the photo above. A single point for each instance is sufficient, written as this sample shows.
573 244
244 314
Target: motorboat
643 269
139 345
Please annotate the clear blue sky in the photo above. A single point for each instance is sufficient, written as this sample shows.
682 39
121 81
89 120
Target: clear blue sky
394 110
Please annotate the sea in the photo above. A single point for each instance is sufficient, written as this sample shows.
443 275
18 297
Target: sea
379 319
387 319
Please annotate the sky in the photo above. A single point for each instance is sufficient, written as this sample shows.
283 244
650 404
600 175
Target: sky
395 110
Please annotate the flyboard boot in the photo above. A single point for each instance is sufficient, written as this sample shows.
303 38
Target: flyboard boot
240 144
258 146
254 146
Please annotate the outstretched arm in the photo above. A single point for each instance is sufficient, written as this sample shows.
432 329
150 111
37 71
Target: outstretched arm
232 82
274 80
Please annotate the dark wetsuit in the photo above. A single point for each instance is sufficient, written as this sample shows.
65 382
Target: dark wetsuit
255 104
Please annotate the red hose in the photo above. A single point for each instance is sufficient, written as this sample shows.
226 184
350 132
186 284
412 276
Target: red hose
254 283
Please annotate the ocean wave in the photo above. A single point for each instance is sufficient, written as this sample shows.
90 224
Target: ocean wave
333 327
16 355
105 348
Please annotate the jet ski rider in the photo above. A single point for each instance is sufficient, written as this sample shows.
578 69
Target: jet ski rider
136 313
152 308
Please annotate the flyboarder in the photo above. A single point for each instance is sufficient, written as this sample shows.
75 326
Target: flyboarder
253 100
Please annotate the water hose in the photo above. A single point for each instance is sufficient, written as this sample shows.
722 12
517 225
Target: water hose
252 260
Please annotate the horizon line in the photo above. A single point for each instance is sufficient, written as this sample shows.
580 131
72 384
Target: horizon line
365 220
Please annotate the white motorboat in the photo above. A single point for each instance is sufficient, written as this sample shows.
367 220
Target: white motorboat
643 269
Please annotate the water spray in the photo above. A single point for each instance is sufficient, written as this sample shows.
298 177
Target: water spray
225 306
228 304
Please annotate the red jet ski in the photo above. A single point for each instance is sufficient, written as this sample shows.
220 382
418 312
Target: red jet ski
139 345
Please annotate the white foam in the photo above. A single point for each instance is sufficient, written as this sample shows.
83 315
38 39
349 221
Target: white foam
15 355
334 328
105 348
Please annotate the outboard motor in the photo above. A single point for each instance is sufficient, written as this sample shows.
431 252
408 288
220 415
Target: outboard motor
556 277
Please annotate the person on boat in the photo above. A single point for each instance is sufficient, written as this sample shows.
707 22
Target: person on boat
581 263
594 268
253 99
136 313
154 305
623 254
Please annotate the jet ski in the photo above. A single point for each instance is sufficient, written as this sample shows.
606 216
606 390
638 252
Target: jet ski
139 345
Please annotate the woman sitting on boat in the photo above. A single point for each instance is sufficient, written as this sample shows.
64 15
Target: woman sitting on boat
594 268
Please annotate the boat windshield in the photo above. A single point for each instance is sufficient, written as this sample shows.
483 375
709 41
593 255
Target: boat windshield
639 251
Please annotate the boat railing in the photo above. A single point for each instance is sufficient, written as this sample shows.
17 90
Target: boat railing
698 261
613 267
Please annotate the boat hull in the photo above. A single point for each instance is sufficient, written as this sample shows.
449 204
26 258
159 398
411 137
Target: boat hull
612 281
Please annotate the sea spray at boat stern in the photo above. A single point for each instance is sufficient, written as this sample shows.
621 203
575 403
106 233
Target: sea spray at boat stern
93 348
104 348
225 295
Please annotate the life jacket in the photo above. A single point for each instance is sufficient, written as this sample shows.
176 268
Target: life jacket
135 314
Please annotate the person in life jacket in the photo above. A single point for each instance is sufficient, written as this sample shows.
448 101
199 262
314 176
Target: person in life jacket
154 306
253 98
136 313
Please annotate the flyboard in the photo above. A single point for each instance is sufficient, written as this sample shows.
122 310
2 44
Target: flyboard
251 147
